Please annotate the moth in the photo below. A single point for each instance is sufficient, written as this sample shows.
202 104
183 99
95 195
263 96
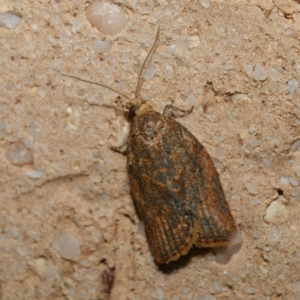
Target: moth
174 184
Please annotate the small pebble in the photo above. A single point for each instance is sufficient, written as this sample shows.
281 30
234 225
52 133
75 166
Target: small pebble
267 163
171 49
185 291
252 187
191 97
106 17
18 154
295 146
293 181
9 20
160 295
250 290
284 181
29 142
168 71
259 73
274 74
252 129
35 174
292 86
205 3
209 257
255 143
67 246
216 287
102 46
257 234
14 233
276 213
255 201
219 138
273 233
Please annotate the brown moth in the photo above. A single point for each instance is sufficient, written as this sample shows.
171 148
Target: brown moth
174 184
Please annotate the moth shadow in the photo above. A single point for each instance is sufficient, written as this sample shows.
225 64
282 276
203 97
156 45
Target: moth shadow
183 261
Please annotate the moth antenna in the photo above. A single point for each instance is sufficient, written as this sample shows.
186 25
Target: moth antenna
96 83
138 86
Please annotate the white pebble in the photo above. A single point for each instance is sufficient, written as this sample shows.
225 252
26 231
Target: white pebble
195 41
205 3
274 74
102 46
273 233
228 66
185 291
267 163
35 174
252 187
40 265
67 246
191 97
276 213
29 142
250 290
257 234
171 49
9 20
255 201
295 146
259 73
168 72
255 143
209 257
219 138
106 17
284 181
160 295
293 181
252 129
14 233
292 86
18 154
216 287
249 66
149 73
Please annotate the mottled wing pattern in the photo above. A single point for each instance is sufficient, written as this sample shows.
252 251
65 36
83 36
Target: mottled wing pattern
176 188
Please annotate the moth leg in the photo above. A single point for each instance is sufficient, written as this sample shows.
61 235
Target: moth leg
121 148
175 112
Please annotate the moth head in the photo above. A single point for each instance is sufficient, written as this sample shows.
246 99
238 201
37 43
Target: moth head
138 108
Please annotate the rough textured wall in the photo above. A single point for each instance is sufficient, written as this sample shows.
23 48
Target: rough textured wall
69 229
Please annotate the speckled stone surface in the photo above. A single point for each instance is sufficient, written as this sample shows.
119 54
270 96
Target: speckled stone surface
70 227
